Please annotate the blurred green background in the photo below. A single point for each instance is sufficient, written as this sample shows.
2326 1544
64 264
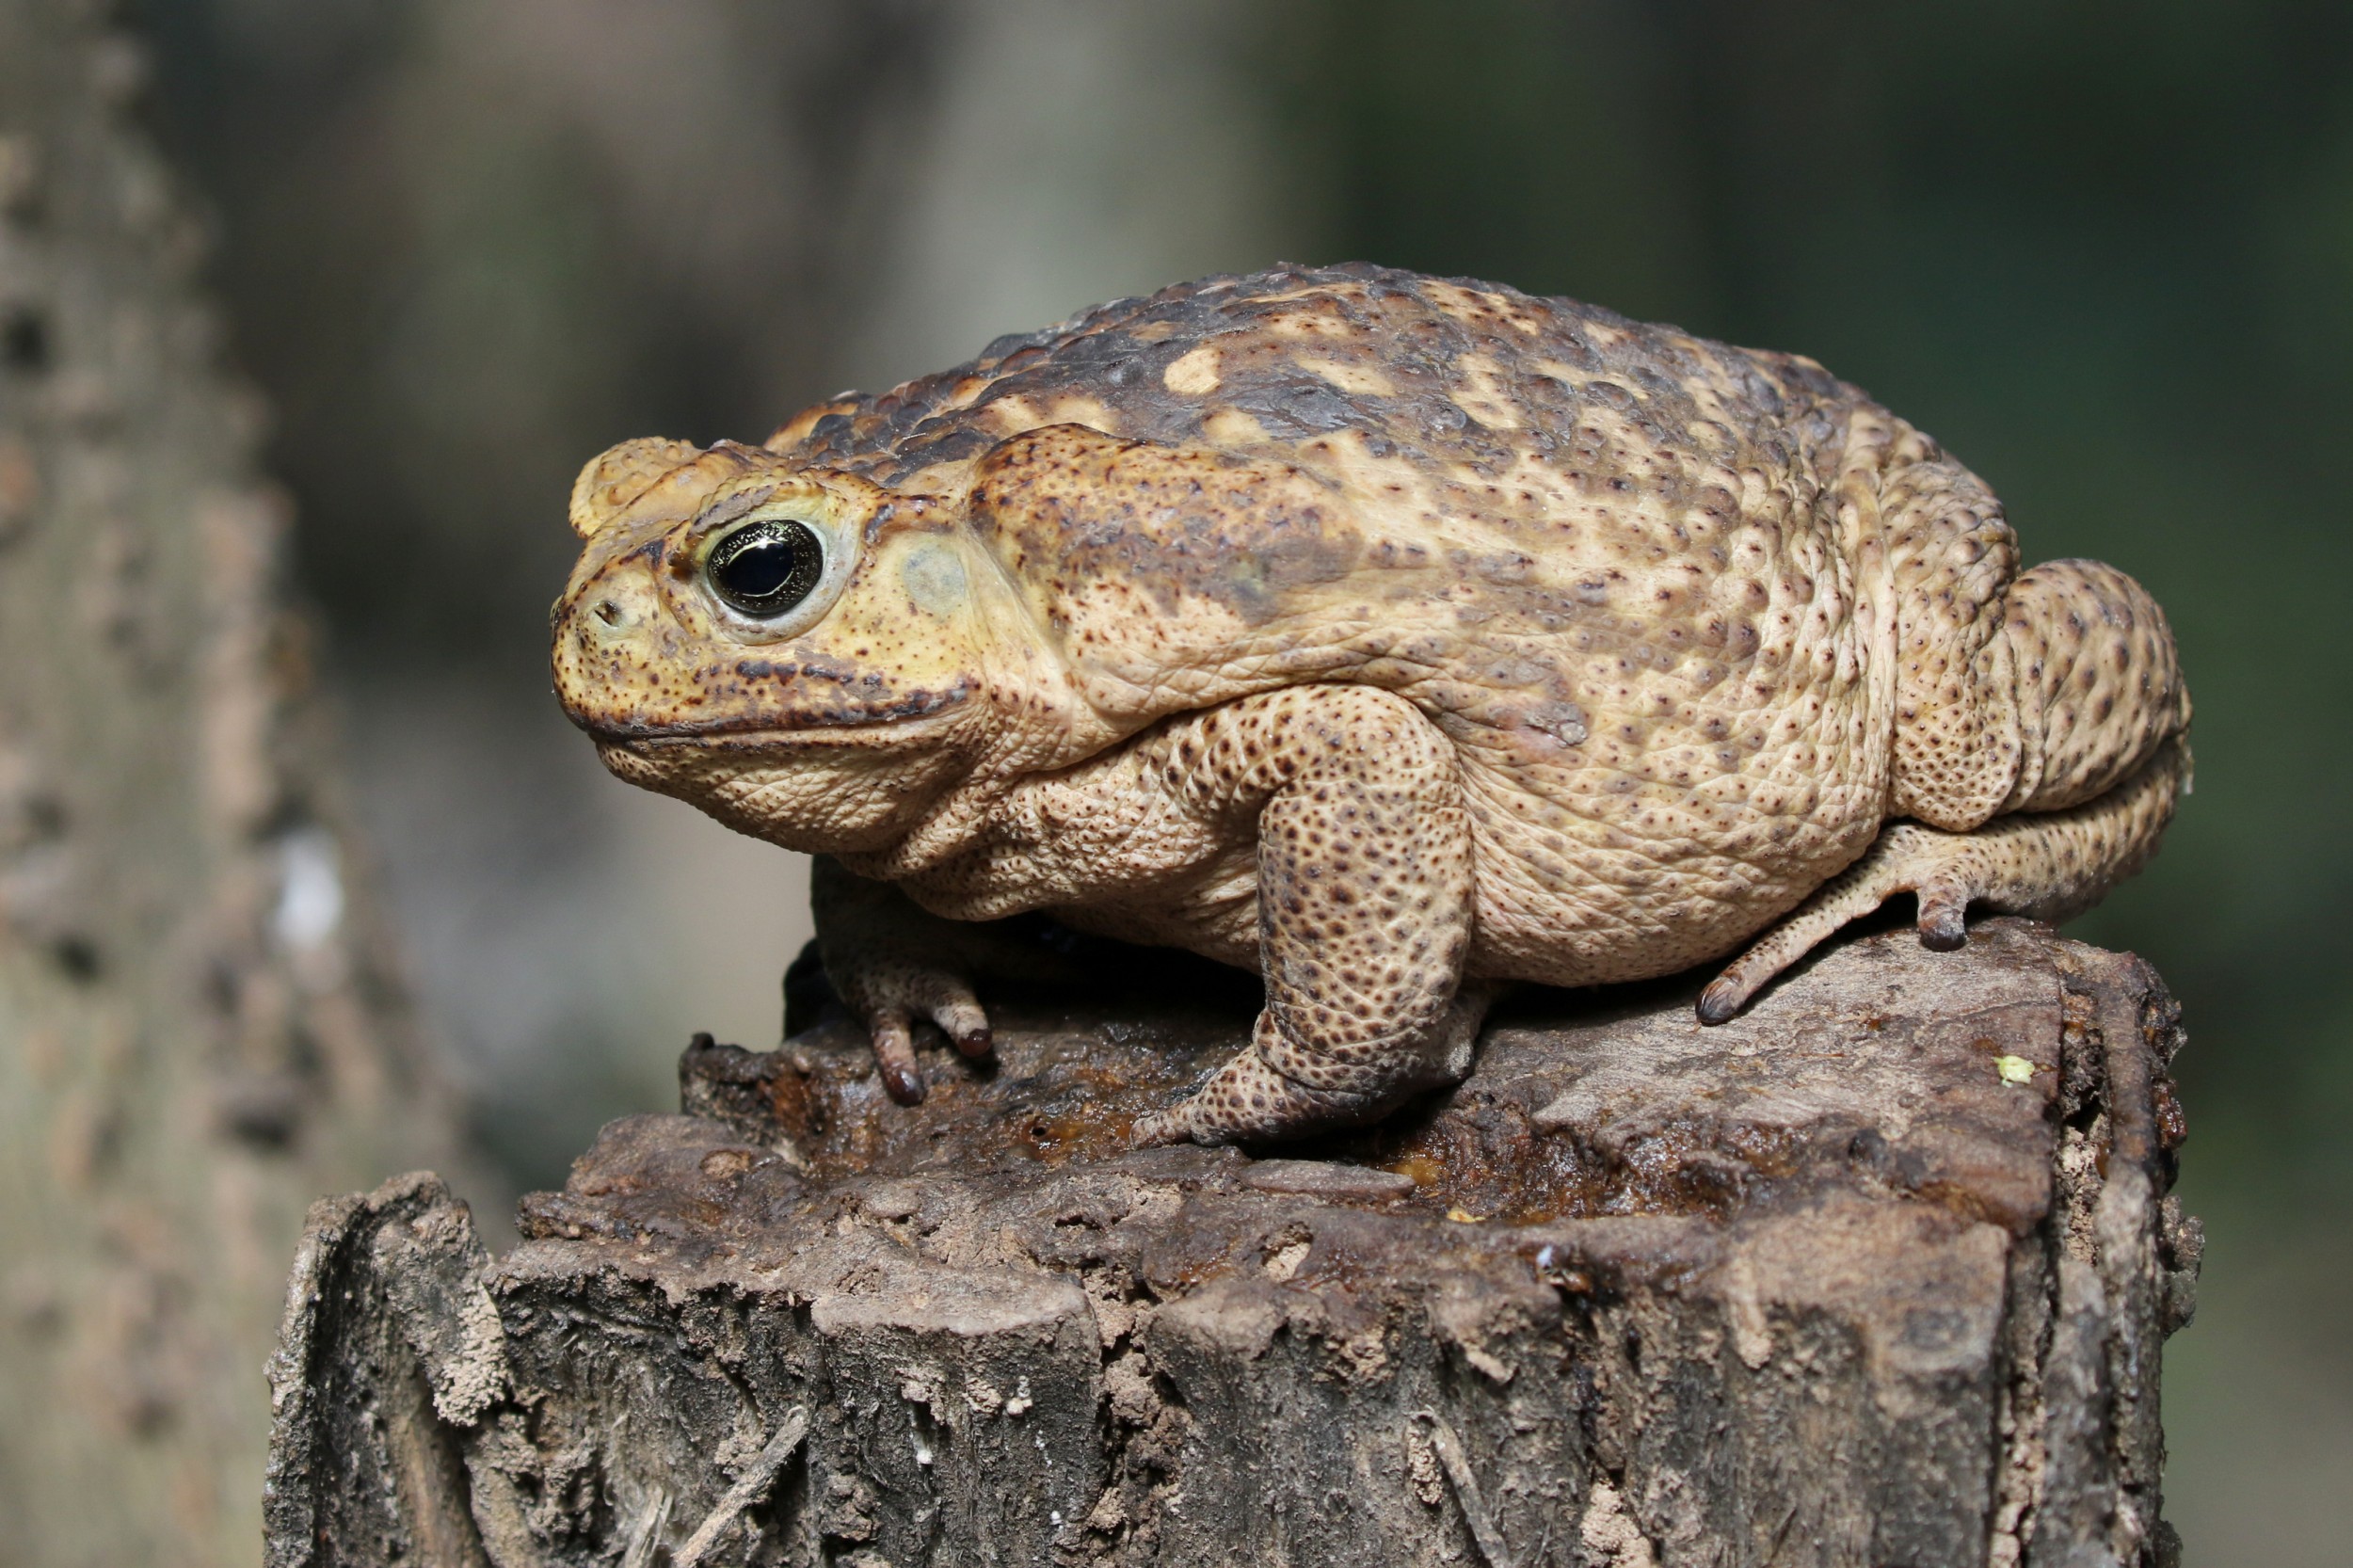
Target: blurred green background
2104 251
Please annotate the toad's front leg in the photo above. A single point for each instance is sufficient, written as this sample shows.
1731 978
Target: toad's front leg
1364 909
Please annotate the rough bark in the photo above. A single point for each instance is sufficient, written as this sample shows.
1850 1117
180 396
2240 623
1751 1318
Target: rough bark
194 1037
1876 1275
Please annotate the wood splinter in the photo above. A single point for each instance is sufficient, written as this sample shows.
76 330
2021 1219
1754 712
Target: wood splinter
1458 1470
748 1489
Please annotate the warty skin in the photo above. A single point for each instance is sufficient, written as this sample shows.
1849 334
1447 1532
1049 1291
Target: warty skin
1398 637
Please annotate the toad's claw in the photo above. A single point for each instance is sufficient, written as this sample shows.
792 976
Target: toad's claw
895 1053
1944 921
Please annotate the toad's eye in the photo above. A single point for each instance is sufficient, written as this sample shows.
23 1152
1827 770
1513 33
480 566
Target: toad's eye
765 567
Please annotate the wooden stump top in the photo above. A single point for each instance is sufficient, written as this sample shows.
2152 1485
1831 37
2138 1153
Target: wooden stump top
1874 1273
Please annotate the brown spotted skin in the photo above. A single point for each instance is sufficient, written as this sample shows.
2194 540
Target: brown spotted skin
1396 636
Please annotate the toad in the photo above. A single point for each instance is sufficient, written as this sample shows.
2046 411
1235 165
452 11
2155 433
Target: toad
1400 638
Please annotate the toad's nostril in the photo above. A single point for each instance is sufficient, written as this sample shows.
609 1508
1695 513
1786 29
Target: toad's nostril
609 613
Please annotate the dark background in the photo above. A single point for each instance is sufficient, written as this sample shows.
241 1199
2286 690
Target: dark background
2103 252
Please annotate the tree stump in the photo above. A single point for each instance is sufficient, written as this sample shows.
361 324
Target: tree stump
1878 1273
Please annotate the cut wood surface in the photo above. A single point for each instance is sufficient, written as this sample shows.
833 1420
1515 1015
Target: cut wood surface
1878 1273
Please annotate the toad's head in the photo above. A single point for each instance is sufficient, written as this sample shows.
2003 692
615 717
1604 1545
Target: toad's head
803 654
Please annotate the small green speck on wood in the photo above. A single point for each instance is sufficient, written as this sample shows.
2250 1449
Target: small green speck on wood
2014 1069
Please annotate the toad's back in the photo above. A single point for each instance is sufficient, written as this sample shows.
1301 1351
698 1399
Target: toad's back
1454 379
1603 556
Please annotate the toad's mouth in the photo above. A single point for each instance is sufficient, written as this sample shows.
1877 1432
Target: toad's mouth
835 725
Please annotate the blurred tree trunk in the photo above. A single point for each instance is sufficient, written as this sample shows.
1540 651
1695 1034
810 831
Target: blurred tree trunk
197 1032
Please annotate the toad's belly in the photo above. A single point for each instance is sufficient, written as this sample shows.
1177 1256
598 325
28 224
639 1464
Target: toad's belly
1585 880
1563 897
1666 837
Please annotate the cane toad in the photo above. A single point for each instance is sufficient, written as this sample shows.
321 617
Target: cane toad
1396 636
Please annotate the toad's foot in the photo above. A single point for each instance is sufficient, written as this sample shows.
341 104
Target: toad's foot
1254 1099
2049 865
893 964
889 996
1247 1101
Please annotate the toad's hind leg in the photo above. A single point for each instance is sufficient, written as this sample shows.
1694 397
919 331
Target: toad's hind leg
2039 751
2047 864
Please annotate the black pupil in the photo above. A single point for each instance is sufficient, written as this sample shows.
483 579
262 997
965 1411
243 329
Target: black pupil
768 567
